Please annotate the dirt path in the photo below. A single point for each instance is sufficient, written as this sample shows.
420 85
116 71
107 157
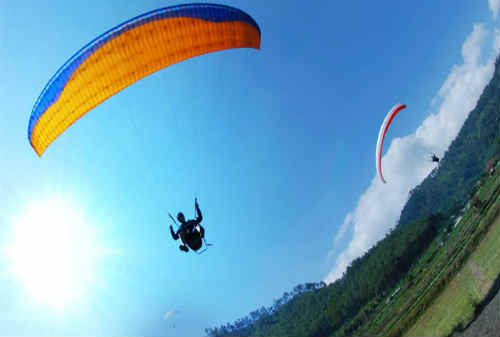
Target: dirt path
478 275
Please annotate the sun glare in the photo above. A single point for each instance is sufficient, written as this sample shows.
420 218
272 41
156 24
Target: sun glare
54 252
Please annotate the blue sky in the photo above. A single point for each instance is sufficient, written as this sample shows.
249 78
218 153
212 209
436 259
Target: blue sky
278 145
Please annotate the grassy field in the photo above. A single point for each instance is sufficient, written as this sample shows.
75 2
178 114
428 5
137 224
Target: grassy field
456 304
450 278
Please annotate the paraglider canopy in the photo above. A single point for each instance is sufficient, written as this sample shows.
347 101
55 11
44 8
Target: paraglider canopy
381 135
129 52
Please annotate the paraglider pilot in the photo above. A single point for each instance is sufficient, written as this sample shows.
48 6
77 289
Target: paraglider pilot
188 228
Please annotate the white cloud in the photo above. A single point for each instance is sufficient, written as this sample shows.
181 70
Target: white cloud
169 313
494 5
471 49
496 42
340 233
404 167
343 228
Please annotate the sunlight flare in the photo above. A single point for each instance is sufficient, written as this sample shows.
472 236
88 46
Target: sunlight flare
54 252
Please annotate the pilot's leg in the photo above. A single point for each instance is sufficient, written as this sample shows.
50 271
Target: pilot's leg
183 239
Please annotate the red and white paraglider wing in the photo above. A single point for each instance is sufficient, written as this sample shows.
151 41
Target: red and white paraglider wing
381 134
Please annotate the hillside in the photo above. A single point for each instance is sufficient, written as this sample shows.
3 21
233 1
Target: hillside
447 189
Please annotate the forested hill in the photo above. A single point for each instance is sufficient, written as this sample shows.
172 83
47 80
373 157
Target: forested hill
314 309
464 161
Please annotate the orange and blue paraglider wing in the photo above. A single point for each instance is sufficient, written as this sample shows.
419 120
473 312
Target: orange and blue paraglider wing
129 52
381 135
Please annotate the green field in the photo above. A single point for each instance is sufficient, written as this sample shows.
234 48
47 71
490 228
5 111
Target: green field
443 288
456 304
